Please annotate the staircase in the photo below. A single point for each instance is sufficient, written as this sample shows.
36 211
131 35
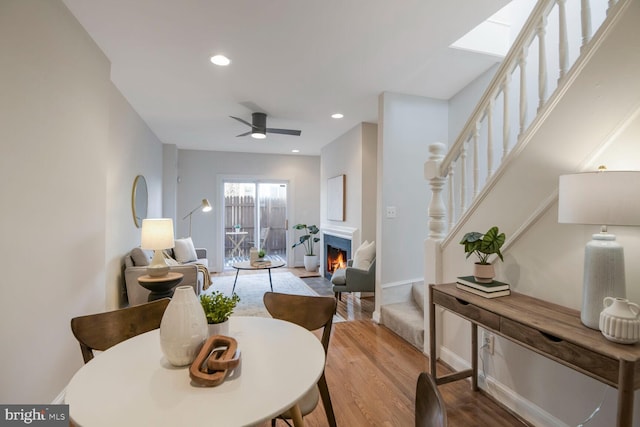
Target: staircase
522 135
406 318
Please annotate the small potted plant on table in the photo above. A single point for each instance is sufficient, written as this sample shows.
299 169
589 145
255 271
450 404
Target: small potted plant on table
308 241
217 308
484 245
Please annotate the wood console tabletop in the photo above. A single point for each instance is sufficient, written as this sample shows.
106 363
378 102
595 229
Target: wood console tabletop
551 330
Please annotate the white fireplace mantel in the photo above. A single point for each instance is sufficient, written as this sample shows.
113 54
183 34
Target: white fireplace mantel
349 233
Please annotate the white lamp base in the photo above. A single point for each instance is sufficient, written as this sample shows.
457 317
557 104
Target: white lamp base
158 266
603 276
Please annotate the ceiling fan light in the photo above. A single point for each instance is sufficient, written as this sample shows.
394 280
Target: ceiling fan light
258 135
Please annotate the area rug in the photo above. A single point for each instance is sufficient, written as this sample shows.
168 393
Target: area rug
251 288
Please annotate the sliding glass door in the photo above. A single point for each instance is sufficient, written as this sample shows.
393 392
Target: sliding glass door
255 215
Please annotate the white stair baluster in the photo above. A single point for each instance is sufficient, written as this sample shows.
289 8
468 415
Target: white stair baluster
563 48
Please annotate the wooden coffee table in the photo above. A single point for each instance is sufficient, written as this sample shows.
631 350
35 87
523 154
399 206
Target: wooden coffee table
246 265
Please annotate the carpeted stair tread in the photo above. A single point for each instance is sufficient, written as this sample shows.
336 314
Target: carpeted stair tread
405 319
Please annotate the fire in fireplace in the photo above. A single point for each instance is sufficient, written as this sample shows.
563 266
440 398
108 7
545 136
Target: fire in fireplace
337 253
336 258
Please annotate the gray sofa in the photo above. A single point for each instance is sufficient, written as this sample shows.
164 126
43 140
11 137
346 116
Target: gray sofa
351 279
136 266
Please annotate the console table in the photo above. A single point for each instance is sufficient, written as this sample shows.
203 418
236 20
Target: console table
548 329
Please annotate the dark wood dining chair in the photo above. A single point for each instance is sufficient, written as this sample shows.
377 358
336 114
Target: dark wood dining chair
312 313
103 330
430 409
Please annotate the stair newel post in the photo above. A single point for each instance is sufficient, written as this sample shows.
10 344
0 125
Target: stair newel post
436 210
437 226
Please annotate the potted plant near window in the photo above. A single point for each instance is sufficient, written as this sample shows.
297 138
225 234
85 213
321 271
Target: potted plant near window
217 308
483 245
308 241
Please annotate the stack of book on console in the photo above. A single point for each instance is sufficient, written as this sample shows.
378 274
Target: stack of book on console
488 290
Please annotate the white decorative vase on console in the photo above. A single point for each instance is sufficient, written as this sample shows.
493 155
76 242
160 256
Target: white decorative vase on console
183 328
619 321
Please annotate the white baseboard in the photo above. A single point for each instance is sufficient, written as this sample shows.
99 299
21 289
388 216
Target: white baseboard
509 398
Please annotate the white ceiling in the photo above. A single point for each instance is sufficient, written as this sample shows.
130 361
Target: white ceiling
299 61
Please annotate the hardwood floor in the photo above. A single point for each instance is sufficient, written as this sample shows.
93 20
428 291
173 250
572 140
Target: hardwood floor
372 374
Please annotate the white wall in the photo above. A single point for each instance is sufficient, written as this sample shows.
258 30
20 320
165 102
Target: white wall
68 145
133 150
200 174
353 154
408 125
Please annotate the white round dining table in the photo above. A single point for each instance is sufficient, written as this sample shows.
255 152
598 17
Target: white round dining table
133 384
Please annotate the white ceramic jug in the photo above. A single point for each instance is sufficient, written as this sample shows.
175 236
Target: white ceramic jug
619 321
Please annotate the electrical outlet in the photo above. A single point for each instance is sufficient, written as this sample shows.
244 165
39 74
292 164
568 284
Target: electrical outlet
488 341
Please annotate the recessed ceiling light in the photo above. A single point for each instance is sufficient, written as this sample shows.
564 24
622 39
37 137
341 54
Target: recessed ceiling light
337 115
220 60
295 151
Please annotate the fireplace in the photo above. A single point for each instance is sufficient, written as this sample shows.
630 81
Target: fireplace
337 250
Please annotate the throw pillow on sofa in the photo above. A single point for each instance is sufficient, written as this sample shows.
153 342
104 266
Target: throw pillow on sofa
364 255
184 250
140 257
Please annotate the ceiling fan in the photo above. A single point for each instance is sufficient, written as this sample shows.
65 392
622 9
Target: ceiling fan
259 127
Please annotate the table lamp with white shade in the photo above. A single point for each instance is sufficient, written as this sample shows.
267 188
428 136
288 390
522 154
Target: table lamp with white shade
157 234
600 198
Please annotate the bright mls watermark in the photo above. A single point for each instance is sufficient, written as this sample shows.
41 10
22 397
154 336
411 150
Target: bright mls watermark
36 415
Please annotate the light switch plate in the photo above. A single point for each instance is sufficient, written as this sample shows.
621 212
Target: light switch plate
391 212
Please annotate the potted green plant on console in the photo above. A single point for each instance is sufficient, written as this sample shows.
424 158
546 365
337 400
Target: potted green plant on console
483 245
308 241
217 308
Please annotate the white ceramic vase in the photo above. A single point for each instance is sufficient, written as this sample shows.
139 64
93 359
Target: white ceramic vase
183 328
619 321
311 262
219 328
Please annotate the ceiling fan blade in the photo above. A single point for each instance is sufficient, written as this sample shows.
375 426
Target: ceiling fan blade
284 131
245 134
242 121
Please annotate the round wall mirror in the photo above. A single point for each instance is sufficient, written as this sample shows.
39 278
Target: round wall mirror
139 198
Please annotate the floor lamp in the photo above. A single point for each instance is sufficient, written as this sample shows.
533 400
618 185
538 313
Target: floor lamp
600 198
205 206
